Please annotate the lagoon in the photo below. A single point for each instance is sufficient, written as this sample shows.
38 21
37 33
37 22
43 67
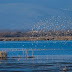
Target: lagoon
44 60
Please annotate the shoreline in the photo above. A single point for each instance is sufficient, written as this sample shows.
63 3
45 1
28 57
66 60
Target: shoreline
35 38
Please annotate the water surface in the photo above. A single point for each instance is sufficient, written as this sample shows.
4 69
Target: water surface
43 61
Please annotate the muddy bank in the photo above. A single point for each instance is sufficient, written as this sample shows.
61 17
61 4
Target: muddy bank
35 38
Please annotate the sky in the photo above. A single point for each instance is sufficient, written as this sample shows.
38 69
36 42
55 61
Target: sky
25 14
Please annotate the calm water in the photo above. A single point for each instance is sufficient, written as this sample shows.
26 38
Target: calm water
43 61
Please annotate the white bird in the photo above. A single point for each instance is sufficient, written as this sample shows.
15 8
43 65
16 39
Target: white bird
65 69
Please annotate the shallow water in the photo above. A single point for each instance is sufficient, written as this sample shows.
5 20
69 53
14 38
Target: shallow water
35 65
43 61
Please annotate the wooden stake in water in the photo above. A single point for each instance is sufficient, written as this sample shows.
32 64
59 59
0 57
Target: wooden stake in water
32 53
23 52
26 53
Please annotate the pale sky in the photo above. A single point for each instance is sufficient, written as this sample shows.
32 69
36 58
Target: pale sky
24 14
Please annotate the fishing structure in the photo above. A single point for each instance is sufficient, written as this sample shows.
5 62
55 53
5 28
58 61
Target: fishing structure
4 51
25 52
3 55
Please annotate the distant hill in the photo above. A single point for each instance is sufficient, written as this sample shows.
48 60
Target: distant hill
35 34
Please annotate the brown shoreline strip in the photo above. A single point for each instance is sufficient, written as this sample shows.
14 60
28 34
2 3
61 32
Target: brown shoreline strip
35 38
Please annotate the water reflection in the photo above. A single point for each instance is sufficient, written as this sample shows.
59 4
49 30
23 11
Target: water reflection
37 64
